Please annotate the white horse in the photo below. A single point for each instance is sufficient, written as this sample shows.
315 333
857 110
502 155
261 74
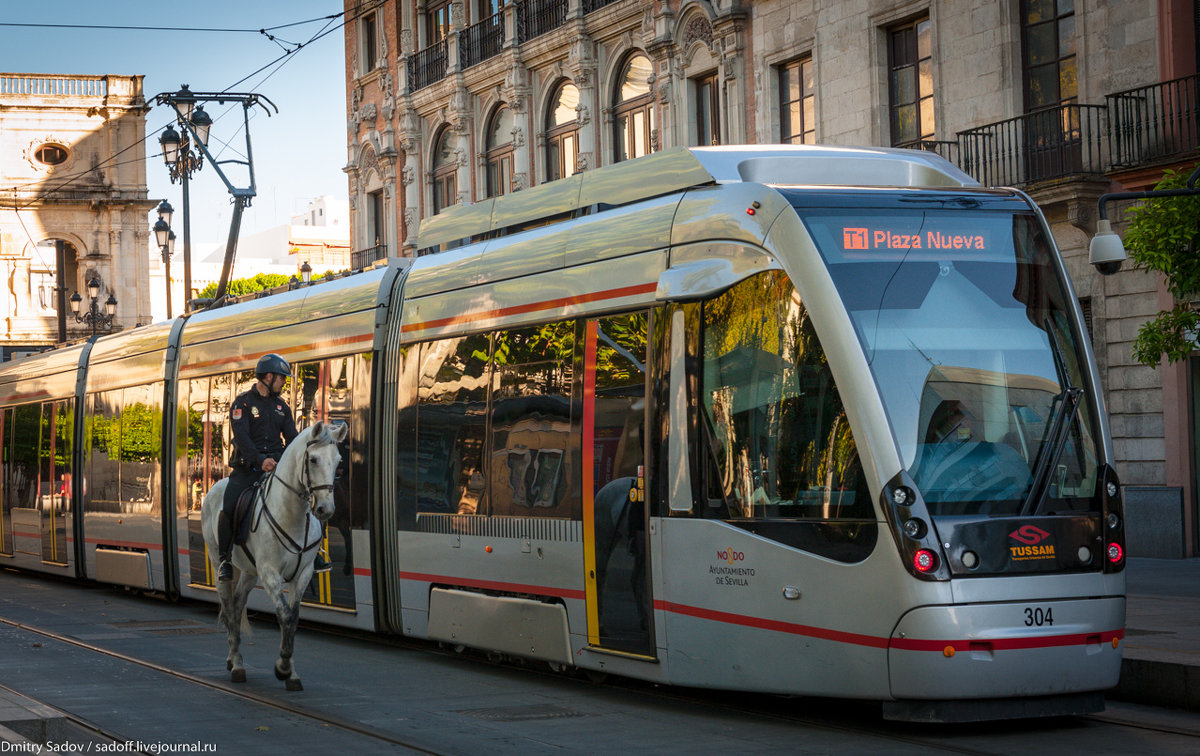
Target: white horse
283 541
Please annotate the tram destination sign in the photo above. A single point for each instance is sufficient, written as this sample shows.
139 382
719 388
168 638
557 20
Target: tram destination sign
860 238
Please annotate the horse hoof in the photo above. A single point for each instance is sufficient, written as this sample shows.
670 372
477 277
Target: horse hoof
293 684
239 675
281 675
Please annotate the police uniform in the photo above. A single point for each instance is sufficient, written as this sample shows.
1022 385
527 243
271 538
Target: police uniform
261 425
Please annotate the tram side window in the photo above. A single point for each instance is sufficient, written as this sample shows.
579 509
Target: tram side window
23 470
532 466
778 443
103 492
451 425
199 429
141 447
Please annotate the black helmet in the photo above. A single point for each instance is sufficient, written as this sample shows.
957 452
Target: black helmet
272 363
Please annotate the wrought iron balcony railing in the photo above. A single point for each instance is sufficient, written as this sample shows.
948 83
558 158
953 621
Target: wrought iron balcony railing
364 257
1156 122
591 5
536 17
481 41
427 66
1059 142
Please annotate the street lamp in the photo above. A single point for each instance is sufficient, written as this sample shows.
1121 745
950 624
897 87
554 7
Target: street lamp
93 316
184 153
306 272
165 238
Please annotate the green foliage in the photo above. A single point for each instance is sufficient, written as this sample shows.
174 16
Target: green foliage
1164 236
239 286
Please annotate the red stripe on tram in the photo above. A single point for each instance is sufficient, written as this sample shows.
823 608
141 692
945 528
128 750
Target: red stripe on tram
793 628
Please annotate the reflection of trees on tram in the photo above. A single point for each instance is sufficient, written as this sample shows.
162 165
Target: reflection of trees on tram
779 441
125 452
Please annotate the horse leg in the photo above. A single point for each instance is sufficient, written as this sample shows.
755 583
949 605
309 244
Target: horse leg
234 618
287 612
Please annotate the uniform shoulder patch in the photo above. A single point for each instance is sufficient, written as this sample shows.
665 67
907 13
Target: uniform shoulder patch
237 413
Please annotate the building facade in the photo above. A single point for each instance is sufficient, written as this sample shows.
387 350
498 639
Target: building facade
73 198
450 102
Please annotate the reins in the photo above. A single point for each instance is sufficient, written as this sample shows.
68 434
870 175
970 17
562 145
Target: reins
282 536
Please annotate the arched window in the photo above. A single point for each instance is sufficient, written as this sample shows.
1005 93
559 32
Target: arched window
562 132
500 152
445 173
634 111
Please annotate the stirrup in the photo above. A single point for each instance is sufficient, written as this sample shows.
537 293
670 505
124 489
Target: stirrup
225 571
321 564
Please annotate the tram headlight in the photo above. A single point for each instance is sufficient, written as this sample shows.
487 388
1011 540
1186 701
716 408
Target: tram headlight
1112 489
925 560
901 496
1113 520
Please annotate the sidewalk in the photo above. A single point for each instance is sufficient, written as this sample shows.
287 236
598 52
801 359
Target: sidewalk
1162 633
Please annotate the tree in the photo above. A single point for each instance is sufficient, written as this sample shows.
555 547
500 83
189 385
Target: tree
1164 236
239 286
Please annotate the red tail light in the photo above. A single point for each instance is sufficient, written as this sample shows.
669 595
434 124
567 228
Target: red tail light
1115 553
925 560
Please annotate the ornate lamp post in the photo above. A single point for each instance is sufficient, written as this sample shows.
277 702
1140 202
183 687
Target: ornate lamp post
93 316
185 152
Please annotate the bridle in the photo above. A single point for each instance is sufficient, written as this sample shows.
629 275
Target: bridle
285 539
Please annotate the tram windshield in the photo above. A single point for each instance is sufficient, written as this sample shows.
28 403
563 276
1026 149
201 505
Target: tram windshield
967 327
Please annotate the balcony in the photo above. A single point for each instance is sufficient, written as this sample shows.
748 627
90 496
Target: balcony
1158 122
427 66
481 41
536 17
363 258
1055 143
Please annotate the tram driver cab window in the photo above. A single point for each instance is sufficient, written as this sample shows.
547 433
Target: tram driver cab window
778 446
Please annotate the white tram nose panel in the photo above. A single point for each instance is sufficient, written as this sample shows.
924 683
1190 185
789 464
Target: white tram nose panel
1014 649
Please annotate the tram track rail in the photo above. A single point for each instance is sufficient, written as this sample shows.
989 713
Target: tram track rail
321 717
846 718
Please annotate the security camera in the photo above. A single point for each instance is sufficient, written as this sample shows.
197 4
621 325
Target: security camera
1106 251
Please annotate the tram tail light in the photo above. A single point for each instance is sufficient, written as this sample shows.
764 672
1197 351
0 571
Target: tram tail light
925 561
1114 521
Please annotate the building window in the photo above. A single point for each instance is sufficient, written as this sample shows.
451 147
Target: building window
708 121
634 112
445 174
500 152
1048 37
910 83
562 132
797 103
51 154
437 22
375 230
369 49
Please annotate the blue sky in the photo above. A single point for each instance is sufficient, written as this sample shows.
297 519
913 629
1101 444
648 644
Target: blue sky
298 153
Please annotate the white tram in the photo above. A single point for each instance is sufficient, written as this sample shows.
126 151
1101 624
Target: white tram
801 420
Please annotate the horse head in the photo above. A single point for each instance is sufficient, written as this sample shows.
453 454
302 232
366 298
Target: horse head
321 459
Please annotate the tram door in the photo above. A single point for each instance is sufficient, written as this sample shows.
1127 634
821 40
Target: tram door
614 482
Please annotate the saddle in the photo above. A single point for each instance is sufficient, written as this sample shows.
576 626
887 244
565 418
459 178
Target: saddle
241 514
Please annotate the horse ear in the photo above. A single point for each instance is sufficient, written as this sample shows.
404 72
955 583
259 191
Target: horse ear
317 428
340 431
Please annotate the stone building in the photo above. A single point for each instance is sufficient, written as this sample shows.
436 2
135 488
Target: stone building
72 180
451 102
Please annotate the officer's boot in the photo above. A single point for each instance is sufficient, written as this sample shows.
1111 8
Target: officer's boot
320 563
224 546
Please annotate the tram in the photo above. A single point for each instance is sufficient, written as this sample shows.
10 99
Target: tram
798 420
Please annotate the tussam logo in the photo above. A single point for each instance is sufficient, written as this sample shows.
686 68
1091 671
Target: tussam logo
1029 535
731 556
1032 537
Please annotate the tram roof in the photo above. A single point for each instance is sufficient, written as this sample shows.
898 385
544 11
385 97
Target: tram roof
680 168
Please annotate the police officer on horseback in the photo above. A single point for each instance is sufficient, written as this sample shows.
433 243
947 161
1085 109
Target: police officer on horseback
262 425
